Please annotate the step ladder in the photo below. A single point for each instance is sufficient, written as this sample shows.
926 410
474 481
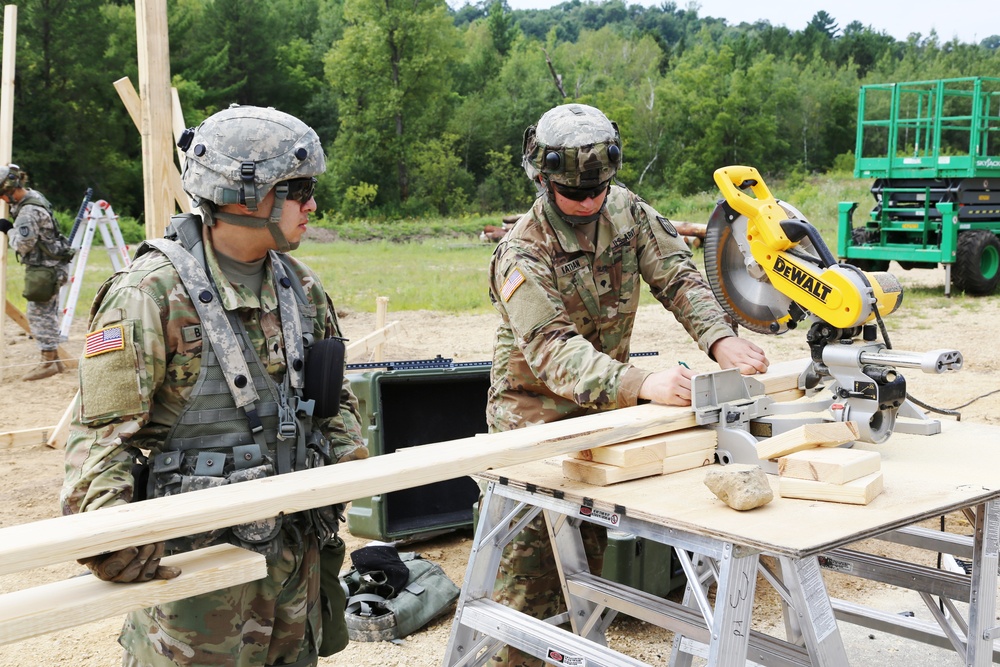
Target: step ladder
93 217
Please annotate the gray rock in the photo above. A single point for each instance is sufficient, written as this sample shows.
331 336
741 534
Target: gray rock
742 487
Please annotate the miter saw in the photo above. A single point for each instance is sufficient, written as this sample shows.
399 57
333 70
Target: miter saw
772 272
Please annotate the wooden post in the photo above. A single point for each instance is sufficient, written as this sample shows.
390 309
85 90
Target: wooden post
6 142
381 308
130 99
154 92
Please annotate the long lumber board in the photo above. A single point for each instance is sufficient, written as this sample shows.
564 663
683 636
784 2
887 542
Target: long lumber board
71 537
67 538
25 437
83 599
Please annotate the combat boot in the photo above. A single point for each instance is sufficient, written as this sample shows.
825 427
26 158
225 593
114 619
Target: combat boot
49 366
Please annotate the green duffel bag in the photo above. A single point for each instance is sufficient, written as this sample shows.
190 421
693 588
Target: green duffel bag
371 617
40 283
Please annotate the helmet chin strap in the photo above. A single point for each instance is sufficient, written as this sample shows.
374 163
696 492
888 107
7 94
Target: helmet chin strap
271 222
573 220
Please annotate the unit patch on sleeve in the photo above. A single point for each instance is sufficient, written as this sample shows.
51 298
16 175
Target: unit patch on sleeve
104 340
514 280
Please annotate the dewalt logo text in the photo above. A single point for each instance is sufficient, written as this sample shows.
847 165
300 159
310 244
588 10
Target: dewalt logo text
802 279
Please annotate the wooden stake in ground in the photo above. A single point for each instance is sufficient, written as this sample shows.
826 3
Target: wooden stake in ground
381 309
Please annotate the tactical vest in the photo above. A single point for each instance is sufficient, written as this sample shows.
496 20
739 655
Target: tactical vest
56 248
239 424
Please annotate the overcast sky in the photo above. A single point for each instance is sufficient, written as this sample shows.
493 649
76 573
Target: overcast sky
969 20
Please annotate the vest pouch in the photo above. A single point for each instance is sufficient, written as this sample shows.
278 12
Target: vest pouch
40 283
259 532
164 474
324 376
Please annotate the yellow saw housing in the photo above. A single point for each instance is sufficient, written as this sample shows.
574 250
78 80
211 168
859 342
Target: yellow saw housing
835 294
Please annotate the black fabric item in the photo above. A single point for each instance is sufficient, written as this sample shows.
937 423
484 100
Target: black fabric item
324 376
382 566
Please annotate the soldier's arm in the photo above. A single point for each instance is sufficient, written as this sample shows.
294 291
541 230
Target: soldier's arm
27 224
666 266
118 379
525 289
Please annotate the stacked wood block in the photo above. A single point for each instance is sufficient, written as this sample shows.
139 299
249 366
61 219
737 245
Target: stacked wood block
813 466
655 455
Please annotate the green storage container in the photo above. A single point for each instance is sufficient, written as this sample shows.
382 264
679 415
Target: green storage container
407 408
641 563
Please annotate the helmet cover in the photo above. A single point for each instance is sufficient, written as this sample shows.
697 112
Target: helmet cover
574 145
236 156
11 178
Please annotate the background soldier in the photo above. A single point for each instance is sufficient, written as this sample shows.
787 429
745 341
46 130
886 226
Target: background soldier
45 253
223 331
566 281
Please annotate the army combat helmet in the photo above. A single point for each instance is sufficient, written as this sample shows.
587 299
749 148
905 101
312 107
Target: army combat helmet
11 178
573 145
238 155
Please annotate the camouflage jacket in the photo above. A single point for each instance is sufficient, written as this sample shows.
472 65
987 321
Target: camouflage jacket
568 308
130 397
34 227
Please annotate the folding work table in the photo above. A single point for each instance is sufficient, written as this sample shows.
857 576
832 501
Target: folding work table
721 548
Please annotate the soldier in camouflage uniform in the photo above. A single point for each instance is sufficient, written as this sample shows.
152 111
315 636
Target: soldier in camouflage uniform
36 239
193 373
566 281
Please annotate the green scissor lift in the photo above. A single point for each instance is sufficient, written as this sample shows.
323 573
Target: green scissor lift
933 148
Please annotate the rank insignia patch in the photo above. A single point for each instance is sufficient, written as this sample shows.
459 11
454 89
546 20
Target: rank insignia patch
104 340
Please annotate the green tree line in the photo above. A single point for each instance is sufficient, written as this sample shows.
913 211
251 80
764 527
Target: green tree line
422 107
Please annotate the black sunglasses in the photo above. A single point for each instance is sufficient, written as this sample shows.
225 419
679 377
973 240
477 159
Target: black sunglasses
301 189
581 194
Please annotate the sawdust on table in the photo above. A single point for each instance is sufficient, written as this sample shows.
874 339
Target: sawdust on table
30 476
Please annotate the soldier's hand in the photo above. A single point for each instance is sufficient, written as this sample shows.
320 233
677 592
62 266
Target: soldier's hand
669 387
6 225
131 565
733 352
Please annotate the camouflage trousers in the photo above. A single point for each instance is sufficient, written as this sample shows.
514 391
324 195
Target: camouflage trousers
272 621
529 582
43 317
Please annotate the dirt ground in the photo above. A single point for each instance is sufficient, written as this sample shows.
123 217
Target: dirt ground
31 475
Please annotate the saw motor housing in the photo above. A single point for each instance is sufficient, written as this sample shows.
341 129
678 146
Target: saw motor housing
770 270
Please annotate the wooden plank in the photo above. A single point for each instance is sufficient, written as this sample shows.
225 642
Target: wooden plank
58 438
822 434
6 140
363 347
782 376
71 537
83 599
602 474
133 105
860 491
25 437
656 448
835 465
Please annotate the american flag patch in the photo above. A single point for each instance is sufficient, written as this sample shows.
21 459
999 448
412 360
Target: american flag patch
514 280
105 340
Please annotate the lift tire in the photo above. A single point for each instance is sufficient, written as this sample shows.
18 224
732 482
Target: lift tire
859 237
977 266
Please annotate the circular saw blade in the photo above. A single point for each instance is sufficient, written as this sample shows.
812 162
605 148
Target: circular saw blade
740 284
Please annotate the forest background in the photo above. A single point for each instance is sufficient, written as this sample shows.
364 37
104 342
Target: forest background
421 108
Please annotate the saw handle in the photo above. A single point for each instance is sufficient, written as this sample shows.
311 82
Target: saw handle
764 215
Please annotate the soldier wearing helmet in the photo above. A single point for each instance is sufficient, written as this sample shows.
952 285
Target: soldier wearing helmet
35 237
566 281
197 373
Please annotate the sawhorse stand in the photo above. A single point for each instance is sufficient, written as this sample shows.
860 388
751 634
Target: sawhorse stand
720 632
99 216
720 549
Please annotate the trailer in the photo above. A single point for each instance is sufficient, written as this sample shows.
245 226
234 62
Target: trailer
933 150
